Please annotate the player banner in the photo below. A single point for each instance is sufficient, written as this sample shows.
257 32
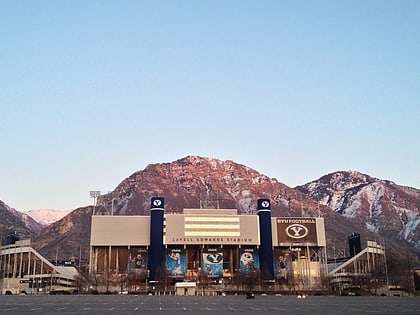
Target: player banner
137 261
212 262
282 263
249 259
175 262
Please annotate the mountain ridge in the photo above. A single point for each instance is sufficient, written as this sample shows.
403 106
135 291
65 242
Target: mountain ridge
46 216
15 221
349 201
383 206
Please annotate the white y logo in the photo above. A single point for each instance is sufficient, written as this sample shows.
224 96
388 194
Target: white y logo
296 231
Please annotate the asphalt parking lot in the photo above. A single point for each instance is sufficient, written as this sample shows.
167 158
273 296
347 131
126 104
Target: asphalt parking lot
129 304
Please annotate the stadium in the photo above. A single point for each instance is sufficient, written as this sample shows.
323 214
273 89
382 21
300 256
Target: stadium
207 251
23 270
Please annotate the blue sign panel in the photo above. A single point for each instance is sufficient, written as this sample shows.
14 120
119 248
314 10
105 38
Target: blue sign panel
249 259
213 262
175 262
282 263
137 261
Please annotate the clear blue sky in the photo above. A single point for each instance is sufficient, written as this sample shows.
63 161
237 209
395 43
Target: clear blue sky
92 91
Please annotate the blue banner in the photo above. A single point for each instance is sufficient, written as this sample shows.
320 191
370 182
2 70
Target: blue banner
282 263
213 262
137 260
175 262
249 259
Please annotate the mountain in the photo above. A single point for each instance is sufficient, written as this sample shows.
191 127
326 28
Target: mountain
12 220
46 216
191 182
349 202
196 181
67 237
387 210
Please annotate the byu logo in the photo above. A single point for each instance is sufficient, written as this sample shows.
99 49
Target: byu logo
265 204
157 202
213 258
296 231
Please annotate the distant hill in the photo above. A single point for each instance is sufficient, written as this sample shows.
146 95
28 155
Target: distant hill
47 216
12 220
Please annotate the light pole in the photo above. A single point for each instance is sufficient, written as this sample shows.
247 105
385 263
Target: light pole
94 194
112 201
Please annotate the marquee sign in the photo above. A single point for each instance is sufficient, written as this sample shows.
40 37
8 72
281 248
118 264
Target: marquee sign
296 231
211 230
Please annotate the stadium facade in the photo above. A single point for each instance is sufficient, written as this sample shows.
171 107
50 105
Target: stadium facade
218 249
25 271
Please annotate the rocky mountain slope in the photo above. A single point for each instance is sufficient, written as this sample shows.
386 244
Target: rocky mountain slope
387 210
192 182
68 237
12 220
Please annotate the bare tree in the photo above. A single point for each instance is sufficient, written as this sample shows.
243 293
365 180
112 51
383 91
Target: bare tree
409 273
162 277
105 280
80 280
401 271
203 280
94 281
122 280
251 277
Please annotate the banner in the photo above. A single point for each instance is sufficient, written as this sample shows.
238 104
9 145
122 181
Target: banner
175 262
293 231
137 261
249 259
212 262
282 263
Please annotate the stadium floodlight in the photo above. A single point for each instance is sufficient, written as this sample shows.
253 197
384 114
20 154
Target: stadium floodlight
94 194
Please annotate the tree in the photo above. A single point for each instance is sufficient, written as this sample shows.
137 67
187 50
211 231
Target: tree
251 277
162 276
409 273
105 279
81 282
400 271
203 280
94 281
122 280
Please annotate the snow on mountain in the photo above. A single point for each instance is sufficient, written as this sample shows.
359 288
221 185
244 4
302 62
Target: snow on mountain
13 220
383 207
46 216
